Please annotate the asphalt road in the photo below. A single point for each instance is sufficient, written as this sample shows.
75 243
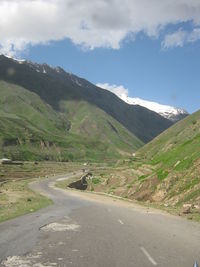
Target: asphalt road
83 230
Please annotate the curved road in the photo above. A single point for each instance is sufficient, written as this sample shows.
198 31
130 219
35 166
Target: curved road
85 230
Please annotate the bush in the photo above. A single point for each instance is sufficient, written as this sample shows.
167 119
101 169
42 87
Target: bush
162 174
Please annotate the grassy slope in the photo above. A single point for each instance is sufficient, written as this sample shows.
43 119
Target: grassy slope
31 129
27 124
91 122
175 156
165 172
178 143
16 102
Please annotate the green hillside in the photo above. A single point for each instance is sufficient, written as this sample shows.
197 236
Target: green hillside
175 159
16 102
91 122
179 145
165 172
31 129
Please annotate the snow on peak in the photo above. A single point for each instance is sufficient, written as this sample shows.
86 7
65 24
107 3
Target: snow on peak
166 111
20 61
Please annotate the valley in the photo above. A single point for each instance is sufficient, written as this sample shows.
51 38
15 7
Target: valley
163 173
99 133
49 115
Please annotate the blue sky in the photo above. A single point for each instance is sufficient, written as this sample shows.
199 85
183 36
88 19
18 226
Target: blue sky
150 48
167 76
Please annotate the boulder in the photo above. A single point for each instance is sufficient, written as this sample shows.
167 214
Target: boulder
186 208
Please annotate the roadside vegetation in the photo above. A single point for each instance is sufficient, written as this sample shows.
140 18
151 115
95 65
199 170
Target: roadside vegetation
16 198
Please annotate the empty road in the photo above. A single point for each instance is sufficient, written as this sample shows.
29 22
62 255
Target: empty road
85 230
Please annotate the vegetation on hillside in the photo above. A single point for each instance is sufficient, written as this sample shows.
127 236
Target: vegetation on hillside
31 129
165 172
16 197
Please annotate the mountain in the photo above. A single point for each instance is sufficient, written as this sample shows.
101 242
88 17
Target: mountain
57 88
30 129
171 113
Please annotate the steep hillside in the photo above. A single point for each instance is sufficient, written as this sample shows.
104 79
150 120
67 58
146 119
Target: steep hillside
178 143
54 85
175 157
17 102
91 122
166 171
31 129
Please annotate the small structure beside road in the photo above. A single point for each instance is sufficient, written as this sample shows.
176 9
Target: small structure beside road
5 161
9 161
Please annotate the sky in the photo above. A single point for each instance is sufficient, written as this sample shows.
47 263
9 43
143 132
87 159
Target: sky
144 48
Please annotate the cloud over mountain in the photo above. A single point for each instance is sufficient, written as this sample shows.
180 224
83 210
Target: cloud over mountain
91 24
116 89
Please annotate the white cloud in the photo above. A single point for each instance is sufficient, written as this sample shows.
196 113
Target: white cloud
180 38
91 24
118 90
175 39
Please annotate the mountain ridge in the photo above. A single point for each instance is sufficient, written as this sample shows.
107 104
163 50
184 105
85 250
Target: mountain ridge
54 85
172 113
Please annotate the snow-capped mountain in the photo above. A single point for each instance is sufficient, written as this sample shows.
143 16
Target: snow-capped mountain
168 112
55 86
171 113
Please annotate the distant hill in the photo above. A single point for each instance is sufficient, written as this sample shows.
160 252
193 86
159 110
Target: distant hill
54 86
